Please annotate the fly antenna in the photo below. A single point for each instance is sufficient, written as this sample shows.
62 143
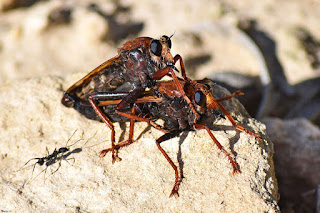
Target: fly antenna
172 34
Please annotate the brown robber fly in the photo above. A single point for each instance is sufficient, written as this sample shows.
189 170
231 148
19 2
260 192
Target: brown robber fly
132 70
133 67
183 105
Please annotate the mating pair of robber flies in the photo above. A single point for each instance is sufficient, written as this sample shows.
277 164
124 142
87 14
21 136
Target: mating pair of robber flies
126 87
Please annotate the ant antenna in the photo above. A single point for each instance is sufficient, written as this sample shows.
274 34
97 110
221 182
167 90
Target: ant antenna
71 137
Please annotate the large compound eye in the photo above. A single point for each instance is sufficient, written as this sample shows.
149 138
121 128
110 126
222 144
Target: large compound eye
168 40
156 47
200 98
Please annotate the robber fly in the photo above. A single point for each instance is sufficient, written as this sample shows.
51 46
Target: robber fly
173 102
132 70
134 67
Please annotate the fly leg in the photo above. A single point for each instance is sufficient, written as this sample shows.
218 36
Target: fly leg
147 120
114 98
130 98
133 117
183 71
163 138
237 126
161 73
238 92
232 161
94 99
123 143
178 178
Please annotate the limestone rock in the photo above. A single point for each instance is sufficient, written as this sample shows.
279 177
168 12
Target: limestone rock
33 118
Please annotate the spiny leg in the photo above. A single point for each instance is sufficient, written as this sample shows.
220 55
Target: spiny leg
183 71
237 126
161 73
232 161
238 92
147 120
126 142
108 98
178 179
108 123
148 99
130 98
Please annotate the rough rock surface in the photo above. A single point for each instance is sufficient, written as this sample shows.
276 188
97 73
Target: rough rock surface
34 119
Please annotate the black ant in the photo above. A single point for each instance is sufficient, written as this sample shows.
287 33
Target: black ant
57 155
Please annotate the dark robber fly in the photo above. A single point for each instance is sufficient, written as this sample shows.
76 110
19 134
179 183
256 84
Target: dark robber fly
132 70
183 105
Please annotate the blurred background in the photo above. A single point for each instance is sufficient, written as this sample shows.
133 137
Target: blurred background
269 49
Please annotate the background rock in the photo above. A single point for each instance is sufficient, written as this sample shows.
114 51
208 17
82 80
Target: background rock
297 145
31 44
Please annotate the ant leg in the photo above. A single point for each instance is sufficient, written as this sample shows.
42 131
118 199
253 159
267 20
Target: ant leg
44 176
32 179
59 165
29 161
34 166
178 178
64 157
237 126
101 114
67 160
232 161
